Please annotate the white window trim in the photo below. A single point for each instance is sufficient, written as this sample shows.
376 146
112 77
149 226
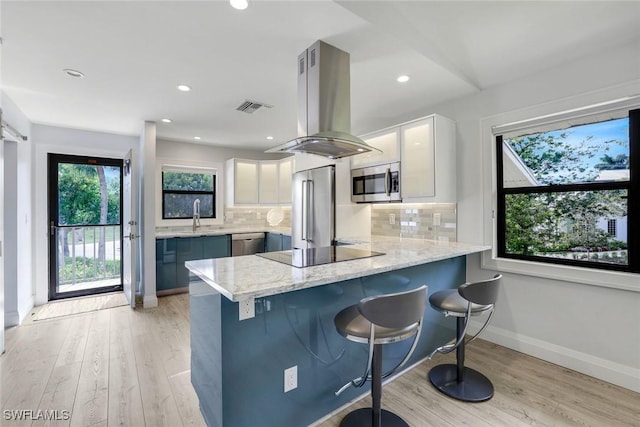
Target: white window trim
489 259
190 166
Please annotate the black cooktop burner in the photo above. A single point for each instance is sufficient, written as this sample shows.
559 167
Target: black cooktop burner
318 256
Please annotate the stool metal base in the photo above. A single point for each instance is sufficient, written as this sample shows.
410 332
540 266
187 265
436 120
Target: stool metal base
364 418
475 387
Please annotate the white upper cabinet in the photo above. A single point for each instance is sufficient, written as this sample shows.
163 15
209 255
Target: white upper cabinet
268 173
245 181
417 170
426 149
258 182
388 141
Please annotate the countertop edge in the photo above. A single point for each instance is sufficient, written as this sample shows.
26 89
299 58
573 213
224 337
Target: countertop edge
274 290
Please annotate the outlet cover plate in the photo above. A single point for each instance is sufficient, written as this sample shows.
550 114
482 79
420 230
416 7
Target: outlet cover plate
291 378
246 309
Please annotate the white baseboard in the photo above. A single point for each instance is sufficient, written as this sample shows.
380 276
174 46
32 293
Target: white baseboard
603 369
150 301
11 318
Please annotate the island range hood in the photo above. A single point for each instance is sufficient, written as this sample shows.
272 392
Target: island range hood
324 105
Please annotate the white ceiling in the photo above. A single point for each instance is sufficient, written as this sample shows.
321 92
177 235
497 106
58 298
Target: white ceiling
134 53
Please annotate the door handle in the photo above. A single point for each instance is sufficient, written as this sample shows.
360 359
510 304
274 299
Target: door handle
304 210
131 236
310 209
387 182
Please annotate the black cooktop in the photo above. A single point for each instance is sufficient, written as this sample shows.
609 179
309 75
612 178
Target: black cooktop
318 256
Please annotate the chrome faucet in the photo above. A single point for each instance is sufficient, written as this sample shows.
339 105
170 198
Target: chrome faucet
196 214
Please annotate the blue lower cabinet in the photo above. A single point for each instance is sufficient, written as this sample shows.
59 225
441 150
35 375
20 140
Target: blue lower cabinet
165 264
286 242
277 242
296 329
273 242
172 253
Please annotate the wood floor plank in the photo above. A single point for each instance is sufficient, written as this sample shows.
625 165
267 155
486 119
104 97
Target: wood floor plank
158 402
59 395
92 396
186 399
125 400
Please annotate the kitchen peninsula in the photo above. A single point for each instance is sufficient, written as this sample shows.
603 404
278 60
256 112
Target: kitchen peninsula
237 366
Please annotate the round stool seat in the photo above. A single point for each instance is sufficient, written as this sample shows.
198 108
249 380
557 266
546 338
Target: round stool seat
450 301
355 327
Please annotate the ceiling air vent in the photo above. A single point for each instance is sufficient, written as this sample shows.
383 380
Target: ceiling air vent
251 106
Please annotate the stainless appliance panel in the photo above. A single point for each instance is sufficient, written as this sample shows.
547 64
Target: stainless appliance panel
247 244
313 208
376 184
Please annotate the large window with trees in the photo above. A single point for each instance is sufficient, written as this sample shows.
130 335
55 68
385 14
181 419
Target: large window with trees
562 184
181 187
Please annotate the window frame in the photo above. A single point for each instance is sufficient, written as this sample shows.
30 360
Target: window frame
185 192
633 201
189 166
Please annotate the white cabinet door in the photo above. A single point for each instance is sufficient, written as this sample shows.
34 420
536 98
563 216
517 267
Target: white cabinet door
284 180
387 141
418 159
268 173
246 182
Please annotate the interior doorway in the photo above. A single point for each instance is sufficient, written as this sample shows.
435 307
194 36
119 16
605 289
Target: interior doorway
85 225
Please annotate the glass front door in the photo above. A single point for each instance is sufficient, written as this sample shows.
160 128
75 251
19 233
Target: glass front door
85 225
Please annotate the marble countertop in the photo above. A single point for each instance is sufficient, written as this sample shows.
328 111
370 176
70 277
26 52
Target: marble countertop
251 276
220 231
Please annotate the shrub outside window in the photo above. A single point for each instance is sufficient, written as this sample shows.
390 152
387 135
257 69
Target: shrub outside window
562 186
181 188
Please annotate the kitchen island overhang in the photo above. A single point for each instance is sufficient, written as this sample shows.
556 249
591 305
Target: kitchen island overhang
238 365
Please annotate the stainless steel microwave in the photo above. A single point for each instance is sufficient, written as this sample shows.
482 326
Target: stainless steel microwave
376 184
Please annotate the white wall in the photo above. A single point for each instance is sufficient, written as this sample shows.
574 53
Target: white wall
18 219
49 139
595 330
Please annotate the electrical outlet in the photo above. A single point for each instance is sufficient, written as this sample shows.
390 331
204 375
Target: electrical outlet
246 309
392 219
436 219
290 378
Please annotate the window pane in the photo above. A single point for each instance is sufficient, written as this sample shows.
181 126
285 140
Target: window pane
88 194
185 181
585 153
572 225
181 205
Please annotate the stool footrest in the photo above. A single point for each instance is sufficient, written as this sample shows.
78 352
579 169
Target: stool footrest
475 387
363 417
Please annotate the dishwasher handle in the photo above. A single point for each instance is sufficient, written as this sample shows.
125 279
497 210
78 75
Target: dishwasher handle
247 236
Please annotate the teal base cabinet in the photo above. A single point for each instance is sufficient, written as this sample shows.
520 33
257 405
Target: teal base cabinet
277 242
172 253
296 329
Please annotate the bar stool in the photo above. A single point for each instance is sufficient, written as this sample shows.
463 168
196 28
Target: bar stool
378 320
470 299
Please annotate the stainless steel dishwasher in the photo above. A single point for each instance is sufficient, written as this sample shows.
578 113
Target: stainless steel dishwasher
247 244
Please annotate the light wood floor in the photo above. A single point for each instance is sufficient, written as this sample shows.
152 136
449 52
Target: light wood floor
131 368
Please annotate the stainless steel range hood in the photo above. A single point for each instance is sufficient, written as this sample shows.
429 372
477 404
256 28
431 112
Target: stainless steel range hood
324 105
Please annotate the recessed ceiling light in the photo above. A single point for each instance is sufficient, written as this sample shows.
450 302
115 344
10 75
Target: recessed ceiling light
269 138
73 73
239 4
184 88
360 150
403 78
196 137
166 120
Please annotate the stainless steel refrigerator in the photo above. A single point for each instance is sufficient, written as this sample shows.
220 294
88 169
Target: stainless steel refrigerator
313 208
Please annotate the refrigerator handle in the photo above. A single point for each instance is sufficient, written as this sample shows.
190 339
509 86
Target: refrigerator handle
310 209
387 182
304 210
